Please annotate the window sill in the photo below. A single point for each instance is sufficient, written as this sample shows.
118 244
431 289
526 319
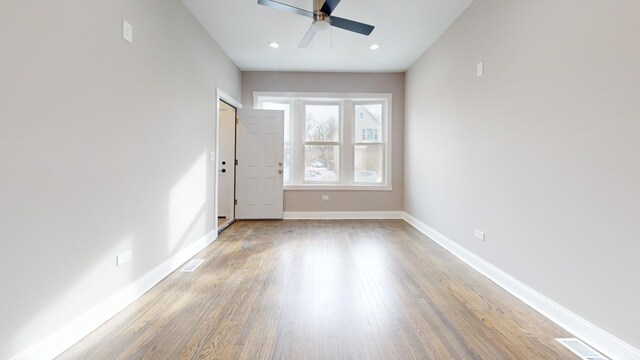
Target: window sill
334 187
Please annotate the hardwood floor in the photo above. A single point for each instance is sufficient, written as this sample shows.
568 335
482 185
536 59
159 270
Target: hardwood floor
325 290
223 221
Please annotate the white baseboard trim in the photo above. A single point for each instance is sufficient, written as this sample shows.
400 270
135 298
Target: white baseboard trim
598 338
65 337
344 215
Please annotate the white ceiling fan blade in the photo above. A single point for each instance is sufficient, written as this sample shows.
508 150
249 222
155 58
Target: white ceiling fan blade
308 38
285 7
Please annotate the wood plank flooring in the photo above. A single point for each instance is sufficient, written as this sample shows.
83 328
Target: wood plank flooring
325 290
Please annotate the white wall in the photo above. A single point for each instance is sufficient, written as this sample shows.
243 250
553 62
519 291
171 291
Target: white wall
102 149
311 201
541 153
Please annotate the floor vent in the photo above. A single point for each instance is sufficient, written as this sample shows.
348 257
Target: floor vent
192 265
581 349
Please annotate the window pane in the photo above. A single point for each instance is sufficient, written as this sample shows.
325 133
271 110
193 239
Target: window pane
368 127
322 123
322 163
368 163
287 164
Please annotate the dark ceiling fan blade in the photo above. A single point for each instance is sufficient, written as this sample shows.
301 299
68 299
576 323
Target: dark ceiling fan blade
329 6
351 25
285 7
308 38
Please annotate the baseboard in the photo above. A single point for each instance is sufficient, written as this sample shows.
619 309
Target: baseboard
343 215
598 338
56 343
62 339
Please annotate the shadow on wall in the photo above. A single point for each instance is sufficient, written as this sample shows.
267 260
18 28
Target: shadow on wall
189 213
187 201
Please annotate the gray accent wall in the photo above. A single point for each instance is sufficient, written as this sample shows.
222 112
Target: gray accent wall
311 200
103 149
541 153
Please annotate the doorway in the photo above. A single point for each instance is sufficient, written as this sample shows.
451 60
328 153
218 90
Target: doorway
226 164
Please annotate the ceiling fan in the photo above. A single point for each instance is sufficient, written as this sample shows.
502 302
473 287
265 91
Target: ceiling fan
322 19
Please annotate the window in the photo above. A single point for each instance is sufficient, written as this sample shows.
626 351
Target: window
369 150
369 134
334 141
322 143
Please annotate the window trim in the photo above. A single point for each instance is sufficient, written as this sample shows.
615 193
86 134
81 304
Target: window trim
382 140
347 101
339 143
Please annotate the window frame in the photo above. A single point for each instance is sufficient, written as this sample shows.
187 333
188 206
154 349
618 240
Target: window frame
347 139
305 143
382 140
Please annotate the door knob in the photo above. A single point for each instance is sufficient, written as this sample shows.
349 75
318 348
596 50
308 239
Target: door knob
224 170
224 163
279 164
280 171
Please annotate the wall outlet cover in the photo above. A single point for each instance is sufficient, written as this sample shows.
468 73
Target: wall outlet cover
125 257
127 31
480 69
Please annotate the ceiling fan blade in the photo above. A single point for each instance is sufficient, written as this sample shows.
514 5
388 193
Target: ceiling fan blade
351 25
285 7
308 38
329 6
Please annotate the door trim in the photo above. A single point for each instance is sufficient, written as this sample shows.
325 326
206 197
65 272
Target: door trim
220 96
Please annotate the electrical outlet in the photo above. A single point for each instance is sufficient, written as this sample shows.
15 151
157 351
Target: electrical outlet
480 69
125 257
325 197
479 234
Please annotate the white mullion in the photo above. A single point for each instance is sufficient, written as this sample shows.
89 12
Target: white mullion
347 151
320 143
387 141
368 143
297 142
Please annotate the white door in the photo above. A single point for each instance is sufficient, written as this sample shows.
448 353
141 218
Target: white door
260 154
226 176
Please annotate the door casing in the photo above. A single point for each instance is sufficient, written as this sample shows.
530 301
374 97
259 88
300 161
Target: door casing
220 96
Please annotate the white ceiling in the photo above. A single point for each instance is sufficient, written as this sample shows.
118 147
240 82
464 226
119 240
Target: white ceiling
405 29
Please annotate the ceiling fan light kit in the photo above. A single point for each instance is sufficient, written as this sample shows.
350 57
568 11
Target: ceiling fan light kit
321 22
322 19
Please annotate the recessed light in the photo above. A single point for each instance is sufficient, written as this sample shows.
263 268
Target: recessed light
274 44
374 47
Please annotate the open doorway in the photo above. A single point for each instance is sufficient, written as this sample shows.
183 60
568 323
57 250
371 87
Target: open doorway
226 164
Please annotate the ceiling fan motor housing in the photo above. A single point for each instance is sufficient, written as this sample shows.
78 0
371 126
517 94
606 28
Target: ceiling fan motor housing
317 5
